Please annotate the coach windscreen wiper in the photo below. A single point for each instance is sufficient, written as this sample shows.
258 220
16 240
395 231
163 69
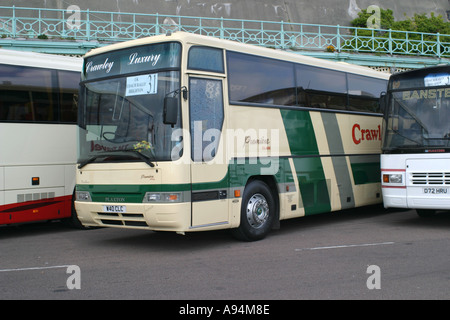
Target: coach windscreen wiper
87 161
137 152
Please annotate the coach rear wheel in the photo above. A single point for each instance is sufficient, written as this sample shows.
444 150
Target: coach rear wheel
257 212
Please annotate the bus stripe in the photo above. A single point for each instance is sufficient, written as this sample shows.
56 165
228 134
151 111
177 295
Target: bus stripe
341 170
312 182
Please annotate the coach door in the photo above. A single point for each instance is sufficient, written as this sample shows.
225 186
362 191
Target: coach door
208 161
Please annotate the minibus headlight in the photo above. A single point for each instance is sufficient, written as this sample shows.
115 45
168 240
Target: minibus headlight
82 196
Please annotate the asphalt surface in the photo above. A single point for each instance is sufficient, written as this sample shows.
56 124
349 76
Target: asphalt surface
366 253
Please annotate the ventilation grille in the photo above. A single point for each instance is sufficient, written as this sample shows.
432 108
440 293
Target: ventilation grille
23 197
430 178
122 219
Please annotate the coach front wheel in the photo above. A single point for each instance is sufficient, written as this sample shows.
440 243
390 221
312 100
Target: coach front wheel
257 212
425 213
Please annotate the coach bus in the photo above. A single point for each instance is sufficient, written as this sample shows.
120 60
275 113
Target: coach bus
38 135
184 132
415 160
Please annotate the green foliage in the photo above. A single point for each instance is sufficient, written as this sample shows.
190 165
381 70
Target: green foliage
418 23
420 30
421 23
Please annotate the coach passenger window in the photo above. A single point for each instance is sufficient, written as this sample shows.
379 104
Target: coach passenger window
68 95
321 88
206 59
260 80
27 94
364 93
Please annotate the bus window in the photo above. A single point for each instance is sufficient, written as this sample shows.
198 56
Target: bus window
68 95
321 88
206 116
27 94
260 80
206 59
364 93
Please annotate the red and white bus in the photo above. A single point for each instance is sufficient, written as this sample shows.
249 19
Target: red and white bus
38 113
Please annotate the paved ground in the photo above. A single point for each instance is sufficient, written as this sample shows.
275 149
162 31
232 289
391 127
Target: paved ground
346 255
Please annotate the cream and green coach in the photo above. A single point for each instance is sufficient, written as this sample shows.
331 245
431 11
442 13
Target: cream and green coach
183 132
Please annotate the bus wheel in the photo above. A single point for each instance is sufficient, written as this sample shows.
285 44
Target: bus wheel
257 212
73 221
425 213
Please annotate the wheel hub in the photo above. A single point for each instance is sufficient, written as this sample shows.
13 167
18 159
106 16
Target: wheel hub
257 210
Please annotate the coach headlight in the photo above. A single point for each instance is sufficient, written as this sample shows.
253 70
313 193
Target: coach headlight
393 178
166 197
152 197
82 196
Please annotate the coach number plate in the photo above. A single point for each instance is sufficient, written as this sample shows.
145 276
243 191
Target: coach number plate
435 190
114 209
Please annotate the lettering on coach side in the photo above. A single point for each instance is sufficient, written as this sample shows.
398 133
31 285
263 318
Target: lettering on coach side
360 134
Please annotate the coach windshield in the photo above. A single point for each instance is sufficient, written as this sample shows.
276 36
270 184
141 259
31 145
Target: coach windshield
418 112
122 112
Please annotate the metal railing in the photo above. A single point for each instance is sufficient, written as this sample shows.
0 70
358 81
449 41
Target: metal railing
84 25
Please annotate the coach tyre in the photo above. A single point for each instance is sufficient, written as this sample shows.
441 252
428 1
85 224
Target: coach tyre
425 213
257 212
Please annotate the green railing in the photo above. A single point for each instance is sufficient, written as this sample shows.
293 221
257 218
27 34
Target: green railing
19 23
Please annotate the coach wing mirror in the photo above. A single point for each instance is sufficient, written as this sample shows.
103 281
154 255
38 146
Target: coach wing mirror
383 102
170 113
184 93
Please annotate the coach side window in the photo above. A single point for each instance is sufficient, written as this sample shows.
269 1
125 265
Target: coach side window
27 94
260 80
321 88
68 95
364 93
206 59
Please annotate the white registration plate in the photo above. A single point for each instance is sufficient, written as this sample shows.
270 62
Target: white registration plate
114 209
435 190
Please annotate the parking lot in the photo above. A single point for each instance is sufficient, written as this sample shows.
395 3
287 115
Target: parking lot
365 253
